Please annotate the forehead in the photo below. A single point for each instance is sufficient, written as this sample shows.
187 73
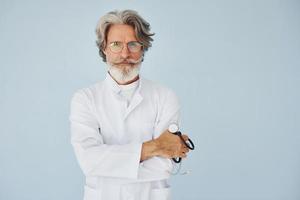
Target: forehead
121 32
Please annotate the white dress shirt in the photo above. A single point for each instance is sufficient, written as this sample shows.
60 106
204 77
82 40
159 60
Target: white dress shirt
127 91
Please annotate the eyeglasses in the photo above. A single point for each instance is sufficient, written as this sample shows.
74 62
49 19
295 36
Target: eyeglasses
133 46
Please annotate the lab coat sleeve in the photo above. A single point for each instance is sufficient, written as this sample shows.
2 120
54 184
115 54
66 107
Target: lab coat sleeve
96 158
168 112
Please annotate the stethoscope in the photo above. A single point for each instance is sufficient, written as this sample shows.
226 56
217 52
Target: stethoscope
174 129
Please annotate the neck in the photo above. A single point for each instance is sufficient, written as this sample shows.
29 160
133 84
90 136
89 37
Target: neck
126 83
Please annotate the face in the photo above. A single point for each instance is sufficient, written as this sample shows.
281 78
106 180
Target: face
124 64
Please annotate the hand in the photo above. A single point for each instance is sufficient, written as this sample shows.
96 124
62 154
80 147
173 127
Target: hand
169 145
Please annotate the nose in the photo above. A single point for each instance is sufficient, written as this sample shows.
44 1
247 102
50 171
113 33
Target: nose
125 52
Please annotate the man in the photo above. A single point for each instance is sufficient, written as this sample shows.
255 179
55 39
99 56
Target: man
119 126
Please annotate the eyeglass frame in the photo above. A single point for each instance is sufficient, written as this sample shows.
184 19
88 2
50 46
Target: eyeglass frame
141 45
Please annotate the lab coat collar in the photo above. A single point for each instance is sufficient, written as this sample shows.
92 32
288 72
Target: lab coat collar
136 99
112 84
115 86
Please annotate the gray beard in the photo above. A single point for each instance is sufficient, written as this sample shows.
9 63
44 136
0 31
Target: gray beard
124 74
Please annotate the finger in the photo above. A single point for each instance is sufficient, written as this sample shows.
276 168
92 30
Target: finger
183 155
173 155
177 153
185 137
185 150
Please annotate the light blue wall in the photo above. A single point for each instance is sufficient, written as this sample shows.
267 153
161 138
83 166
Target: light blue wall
234 65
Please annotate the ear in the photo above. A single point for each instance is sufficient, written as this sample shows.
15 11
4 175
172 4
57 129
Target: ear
104 51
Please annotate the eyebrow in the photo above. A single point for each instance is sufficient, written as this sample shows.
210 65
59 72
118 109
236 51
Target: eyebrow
122 42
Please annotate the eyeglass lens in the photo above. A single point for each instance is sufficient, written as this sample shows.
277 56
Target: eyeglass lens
132 46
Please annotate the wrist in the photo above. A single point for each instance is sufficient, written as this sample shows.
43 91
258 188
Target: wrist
149 149
155 147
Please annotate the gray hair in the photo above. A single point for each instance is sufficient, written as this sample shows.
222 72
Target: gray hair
128 17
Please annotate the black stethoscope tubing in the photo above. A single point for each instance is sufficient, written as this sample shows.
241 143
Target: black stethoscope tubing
189 145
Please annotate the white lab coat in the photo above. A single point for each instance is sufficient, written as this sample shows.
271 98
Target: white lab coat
107 137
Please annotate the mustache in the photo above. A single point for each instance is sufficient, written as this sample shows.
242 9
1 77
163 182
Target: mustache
127 61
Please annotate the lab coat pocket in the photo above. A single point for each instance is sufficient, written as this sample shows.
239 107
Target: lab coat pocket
160 194
90 193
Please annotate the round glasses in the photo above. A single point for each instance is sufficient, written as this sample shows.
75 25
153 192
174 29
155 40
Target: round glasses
133 46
